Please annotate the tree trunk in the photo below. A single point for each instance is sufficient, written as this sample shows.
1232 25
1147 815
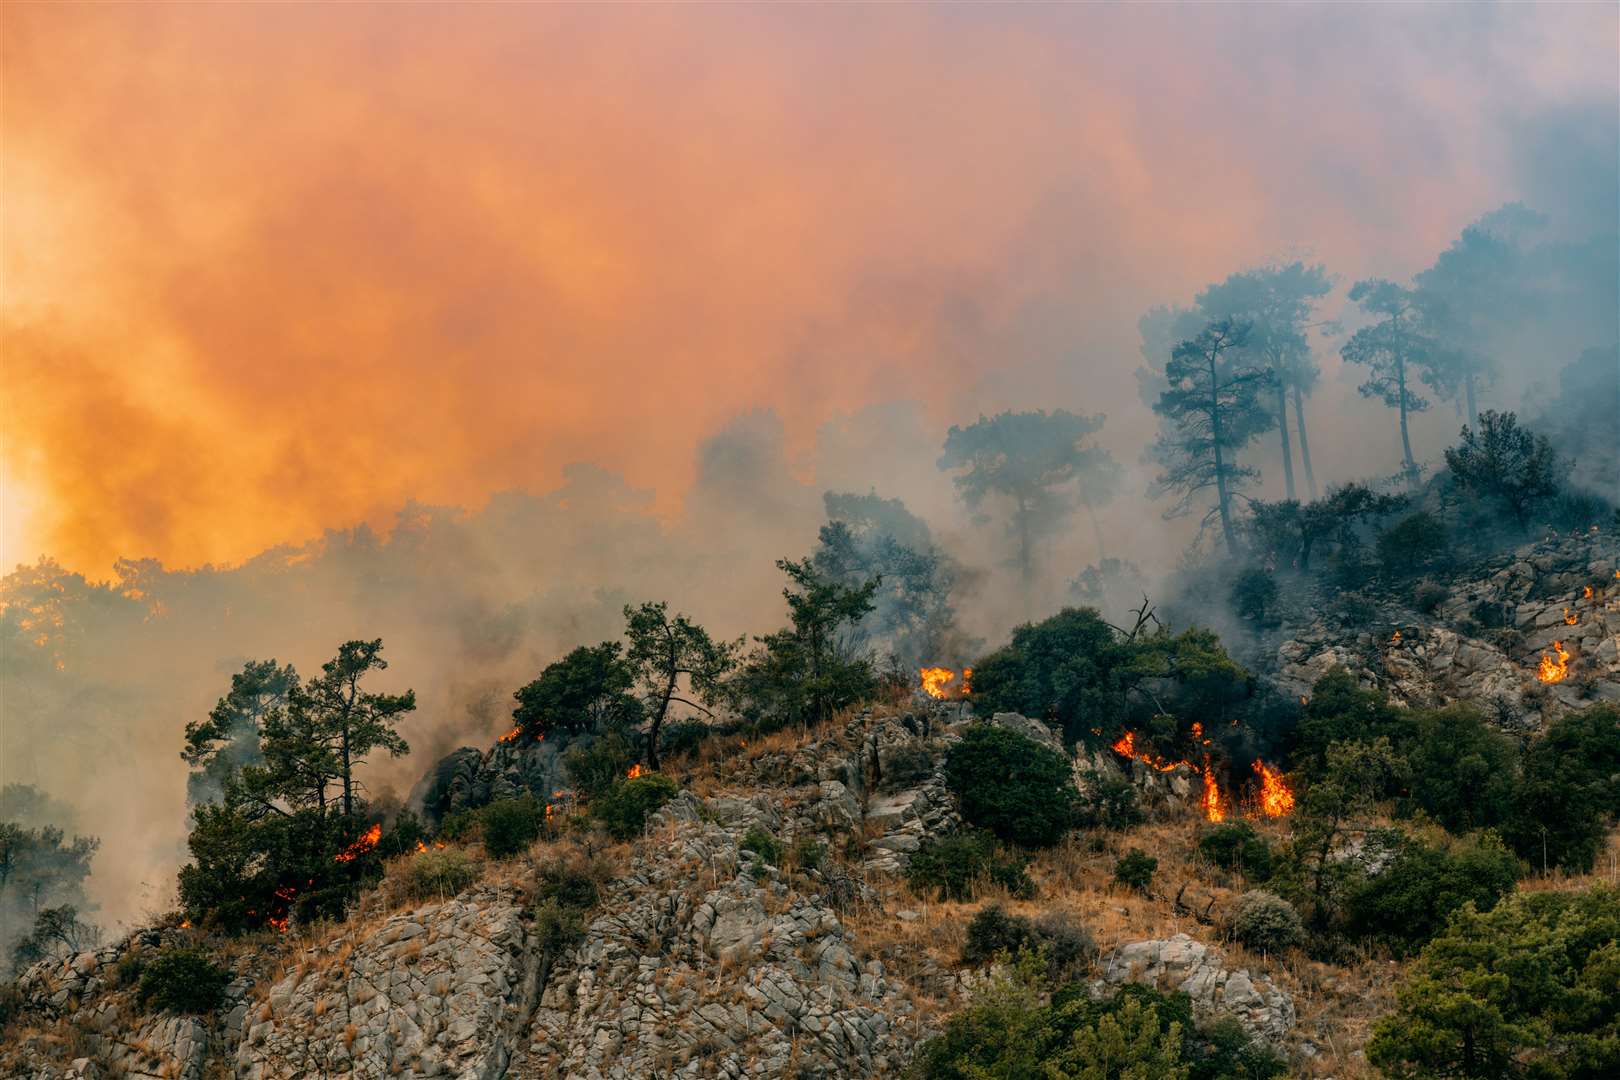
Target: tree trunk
1304 442
1406 439
348 777
1282 429
1220 466
658 721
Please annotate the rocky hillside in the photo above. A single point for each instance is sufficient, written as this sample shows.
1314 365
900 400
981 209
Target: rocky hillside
762 925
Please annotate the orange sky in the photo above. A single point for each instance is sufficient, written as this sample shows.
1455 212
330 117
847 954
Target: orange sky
269 269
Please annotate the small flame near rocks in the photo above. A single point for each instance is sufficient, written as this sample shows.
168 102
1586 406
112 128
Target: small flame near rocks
941 682
1570 617
636 770
1554 670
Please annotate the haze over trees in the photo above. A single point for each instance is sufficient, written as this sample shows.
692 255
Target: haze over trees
1398 353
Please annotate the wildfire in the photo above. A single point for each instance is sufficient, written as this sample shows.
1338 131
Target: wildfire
1587 595
1570 618
1395 637
185 924
367 841
1276 798
1551 670
1126 747
511 736
636 770
1214 810
937 682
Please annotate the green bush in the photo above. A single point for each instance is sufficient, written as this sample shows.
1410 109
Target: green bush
401 837
1109 801
1414 543
597 766
1428 595
1254 596
1408 901
1265 921
1528 989
624 808
993 932
182 980
511 825
809 853
557 926
1462 773
1569 791
763 844
1065 946
441 871
1062 667
955 865
575 883
459 825
1013 786
682 739
1236 846
1135 869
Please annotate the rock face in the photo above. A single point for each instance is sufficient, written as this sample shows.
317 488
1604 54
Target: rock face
1483 643
444 989
466 779
1180 963
703 962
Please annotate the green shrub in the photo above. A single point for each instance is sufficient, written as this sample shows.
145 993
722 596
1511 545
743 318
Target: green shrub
557 926
1408 901
597 766
574 883
458 826
1062 667
682 739
1265 921
993 932
1013 786
1109 801
182 980
1412 544
763 844
955 865
1135 869
623 809
1065 946
1236 846
511 825
1254 595
1462 773
1569 791
441 872
809 853
1528 989
401 837
1428 595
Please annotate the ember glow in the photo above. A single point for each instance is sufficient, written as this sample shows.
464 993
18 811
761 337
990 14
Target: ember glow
1212 803
1395 637
1587 595
511 736
941 682
1276 799
367 841
1570 617
636 770
1554 670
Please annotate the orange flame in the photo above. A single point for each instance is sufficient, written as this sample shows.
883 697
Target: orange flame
635 771
1214 810
1126 747
1587 595
1570 619
1395 637
511 736
937 682
367 841
1276 798
185 924
1551 670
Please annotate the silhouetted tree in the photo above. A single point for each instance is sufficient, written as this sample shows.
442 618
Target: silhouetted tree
218 747
587 690
1038 463
1506 461
663 650
1215 409
1396 352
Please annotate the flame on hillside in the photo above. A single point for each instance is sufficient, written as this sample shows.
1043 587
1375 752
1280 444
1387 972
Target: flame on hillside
1214 809
1587 594
1276 797
1395 637
1570 617
367 841
511 736
941 682
636 770
1551 670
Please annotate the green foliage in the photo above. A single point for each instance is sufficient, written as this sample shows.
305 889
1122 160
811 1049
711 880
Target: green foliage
623 809
1266 922
182 980
402 836
557 927
1109 801
682 739
809 853
1214 406
1338 802
1134 870
1254 596
511 825
811 669
1505 461
1408 901
954 866
1065 947
1340 711
573 883
596 765
1413 544
1060 669
1530 989
665 650
1013 786
217 747
1397 353
1037 464
1461 772
587 690
1236 846
1291 533
441 872
763 844
1569 791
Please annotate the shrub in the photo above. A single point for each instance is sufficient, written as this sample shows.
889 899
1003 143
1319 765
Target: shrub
1428 595
1408 901
1109 801
1068 947
1236 846
763 844
1462 773
557 926
1524 990
596 766
1568 791
682 739
808 853
623 809
1352 610
1135 869
441 872
1254 595
460 825
994 932
182 980
511 825
402 836
573 883
1062 667
1012 785
1412 544
954 865
1265 921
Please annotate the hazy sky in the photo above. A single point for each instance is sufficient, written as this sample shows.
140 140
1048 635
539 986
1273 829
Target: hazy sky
271 268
